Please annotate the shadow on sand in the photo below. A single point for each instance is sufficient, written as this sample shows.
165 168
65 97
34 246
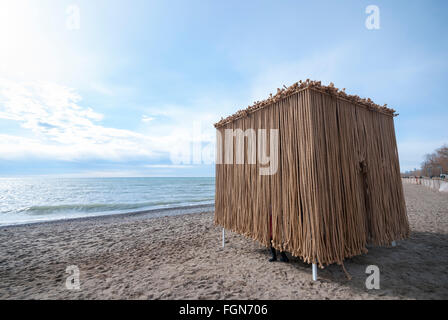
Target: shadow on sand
415 269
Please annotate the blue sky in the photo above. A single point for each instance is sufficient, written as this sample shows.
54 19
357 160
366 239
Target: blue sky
135 84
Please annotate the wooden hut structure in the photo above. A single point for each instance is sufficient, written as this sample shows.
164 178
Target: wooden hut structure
336 186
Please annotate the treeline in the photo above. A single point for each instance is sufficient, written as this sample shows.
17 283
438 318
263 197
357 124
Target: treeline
434 164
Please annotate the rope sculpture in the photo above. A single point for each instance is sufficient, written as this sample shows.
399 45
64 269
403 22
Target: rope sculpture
337 187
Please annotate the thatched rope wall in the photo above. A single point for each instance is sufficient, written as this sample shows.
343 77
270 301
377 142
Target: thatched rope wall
337 186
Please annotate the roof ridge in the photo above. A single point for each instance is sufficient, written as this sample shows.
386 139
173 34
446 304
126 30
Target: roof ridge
301 86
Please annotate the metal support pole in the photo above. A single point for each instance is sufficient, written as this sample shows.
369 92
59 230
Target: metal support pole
223 237
394 244
314 272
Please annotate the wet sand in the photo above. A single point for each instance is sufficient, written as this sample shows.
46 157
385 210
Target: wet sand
180 257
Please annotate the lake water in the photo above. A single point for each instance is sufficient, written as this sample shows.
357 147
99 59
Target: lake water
25 200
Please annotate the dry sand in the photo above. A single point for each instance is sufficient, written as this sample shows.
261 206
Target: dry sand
136 257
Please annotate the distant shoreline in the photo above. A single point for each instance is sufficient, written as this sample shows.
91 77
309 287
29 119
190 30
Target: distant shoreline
144 214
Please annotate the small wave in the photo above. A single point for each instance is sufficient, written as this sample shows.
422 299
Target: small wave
102 207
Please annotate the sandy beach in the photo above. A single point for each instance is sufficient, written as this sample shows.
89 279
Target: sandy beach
180 257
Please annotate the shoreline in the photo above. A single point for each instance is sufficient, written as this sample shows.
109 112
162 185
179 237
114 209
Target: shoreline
143 214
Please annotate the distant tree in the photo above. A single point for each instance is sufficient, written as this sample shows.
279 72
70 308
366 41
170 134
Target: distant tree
436 162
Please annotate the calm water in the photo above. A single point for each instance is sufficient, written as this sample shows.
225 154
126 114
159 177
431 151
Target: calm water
25 200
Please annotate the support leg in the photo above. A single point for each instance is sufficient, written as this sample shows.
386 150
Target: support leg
314 272
223 237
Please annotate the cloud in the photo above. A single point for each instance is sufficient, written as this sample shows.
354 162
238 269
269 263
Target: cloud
57 126
173 166
145 118
64 129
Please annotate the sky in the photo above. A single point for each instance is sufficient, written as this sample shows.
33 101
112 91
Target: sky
132 88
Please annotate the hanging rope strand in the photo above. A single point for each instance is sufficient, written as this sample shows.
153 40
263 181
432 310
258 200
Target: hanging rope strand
337 187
